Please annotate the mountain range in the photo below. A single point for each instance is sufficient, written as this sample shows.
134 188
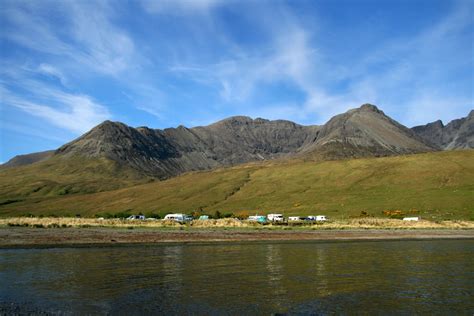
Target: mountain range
362 132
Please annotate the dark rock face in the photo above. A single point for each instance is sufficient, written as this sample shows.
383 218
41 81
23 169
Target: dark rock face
362 132
22 160
457 134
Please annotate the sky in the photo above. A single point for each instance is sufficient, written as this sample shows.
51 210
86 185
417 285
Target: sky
66 66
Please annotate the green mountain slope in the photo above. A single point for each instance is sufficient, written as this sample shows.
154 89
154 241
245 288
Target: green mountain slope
435 185
61 177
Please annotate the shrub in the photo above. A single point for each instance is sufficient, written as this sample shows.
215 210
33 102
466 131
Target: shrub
243 215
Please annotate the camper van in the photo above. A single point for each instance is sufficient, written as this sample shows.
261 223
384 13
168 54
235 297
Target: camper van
178 218
275 218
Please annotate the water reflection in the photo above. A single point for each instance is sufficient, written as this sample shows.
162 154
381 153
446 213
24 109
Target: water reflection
373 277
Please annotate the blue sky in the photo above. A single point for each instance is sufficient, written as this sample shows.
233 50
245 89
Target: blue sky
69 65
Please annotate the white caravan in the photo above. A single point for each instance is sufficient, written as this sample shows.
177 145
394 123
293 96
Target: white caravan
411 219
275 217
178 217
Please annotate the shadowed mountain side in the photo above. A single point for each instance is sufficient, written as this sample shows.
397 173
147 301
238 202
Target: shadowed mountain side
433 185
457 134
169 152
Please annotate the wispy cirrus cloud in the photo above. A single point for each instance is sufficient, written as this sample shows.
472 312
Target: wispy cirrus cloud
87 46
50 70
86 37
73 112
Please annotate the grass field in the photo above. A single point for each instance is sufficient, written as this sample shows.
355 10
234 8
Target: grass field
435 186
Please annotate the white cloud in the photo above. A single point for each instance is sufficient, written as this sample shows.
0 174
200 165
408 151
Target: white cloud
52 71
87 37
76 113
105 47
86 44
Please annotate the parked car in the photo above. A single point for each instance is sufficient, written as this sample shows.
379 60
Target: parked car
318 218
179 217
203 217
136 217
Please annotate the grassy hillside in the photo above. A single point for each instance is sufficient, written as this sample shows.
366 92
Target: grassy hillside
59 177
434 185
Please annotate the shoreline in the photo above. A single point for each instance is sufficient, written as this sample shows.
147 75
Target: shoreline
21 237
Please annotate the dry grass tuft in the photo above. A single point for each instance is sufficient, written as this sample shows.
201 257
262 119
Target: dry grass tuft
225 222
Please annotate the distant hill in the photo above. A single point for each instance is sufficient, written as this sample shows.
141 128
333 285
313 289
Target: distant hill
457 134
27 159
361 132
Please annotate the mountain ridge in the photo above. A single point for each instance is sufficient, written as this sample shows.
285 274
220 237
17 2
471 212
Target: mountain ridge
457 134
362 132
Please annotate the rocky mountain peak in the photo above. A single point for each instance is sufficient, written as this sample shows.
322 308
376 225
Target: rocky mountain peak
234 120
369 107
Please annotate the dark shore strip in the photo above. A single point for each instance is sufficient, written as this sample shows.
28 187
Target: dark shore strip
17 237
